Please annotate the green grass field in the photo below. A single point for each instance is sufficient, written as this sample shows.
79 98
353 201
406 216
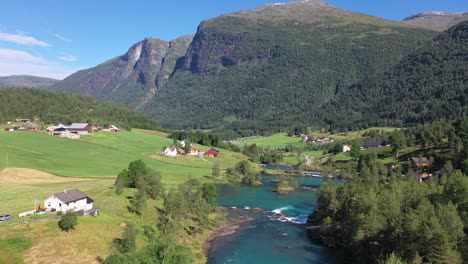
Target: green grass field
102 155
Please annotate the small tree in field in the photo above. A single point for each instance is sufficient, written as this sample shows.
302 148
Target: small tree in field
68 221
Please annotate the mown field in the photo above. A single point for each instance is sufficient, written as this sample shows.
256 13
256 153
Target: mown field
102 155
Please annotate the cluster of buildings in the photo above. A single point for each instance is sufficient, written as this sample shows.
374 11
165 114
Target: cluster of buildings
174 151
324 140
75 130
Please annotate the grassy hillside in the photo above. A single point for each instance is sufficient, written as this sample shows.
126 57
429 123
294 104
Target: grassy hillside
60 107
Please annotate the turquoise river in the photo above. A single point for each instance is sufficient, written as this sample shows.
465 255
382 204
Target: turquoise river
269 237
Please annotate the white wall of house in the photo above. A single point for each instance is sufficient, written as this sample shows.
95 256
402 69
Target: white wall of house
54 203
170 153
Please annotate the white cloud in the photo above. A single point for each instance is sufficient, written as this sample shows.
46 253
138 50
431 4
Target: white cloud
62 38
18 55
22 39
67 57
17 62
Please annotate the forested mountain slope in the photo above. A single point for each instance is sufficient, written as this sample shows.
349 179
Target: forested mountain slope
267 66
429 85
61 107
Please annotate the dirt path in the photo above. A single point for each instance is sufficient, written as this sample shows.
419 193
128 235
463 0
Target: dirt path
202 156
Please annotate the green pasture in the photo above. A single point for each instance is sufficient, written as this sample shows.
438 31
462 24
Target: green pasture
78 158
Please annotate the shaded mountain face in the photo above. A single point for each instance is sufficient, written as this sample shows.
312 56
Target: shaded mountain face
274 63
436 20
132 78
27 81
428 85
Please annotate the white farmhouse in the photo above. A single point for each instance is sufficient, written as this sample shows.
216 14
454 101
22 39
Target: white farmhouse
69 200
346 148
170 151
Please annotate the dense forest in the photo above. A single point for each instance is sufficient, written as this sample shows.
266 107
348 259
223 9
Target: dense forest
262 71
376 213
429 85
60 107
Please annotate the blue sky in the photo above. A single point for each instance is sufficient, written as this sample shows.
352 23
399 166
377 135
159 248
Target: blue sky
54 38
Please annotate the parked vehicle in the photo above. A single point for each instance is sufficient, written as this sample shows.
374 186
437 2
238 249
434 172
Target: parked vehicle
5 217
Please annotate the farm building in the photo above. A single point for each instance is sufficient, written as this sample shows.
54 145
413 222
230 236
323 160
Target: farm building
80 128
194 151
346 148
419 162
69 200
212 153
170 151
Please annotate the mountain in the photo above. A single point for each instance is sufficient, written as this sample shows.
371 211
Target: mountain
428 85
133 78
267 66
26 81
61 107
436 20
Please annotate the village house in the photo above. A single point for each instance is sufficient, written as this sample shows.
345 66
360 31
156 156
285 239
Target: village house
194 151
170 151
111 128
181 151
80 128
68 200
212 153
420 162
346 148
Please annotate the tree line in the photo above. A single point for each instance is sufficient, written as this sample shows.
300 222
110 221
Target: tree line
60 107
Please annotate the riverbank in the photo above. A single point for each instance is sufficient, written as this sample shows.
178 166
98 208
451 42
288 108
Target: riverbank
228 227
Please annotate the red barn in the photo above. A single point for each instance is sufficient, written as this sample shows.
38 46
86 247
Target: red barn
212 153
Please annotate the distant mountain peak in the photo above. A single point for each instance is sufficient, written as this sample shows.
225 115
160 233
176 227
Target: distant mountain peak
436 20
432 14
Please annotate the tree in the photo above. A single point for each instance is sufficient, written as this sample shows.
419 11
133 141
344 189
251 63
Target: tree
68 221
398 141
136 169
128 242
152 184
216 170
355 151
209 192
139 202
119 187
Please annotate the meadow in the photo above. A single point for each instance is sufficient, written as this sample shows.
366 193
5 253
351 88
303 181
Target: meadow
103 155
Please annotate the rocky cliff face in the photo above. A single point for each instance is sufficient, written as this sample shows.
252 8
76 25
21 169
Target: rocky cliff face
436 20
132 78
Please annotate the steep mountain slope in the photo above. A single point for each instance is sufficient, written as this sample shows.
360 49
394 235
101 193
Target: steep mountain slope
132 78
61 107
429 85
436 20
26 81
271 64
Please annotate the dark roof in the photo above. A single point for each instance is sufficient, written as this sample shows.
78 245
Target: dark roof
60 129
373 144
71 196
